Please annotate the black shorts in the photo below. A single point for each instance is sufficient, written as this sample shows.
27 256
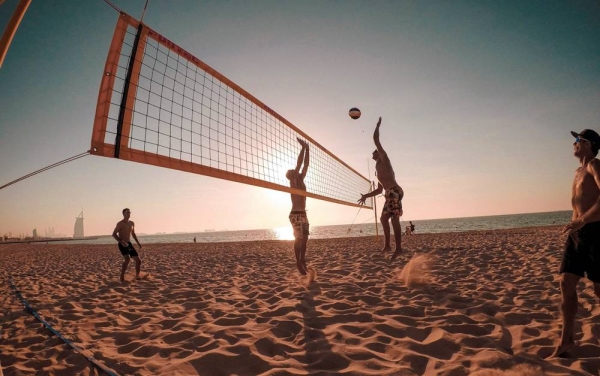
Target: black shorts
129 250
583 256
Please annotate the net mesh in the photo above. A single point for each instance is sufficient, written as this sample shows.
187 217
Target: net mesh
186 113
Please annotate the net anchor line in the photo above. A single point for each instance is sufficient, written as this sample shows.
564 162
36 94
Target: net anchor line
356 216
47 168
82 351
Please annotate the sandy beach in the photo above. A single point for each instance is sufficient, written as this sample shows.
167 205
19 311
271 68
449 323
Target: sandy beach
475 303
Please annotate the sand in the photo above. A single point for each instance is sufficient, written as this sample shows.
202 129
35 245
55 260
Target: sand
478 303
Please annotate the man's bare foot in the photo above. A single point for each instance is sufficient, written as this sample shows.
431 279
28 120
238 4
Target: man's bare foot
305 267
385 250
301 268
396 254
562 349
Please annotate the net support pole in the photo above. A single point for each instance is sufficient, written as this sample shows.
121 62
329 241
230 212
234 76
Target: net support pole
126 88
375 211
144 12
11 28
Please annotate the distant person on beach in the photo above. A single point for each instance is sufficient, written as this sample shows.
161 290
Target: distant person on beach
392 209
582 248
194 239
410 229
122 234
298 217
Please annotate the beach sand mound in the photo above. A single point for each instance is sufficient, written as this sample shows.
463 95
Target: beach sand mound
474 303
520 370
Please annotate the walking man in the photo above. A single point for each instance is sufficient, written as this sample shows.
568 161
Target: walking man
582 248
298 217
392 209
122 234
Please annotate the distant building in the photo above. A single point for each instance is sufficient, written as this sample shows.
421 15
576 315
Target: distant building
35 233
78 231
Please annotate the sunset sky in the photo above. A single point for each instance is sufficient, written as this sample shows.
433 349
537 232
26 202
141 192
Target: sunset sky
477 100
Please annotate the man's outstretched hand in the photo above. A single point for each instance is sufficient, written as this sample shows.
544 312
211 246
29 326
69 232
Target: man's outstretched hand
379 122
362 199
302 142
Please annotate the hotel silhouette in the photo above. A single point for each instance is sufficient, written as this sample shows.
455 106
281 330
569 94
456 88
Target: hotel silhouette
78 230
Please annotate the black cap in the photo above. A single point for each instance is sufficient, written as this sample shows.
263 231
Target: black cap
589 135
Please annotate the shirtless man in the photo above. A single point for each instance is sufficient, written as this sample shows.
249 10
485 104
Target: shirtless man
392 208
298 214
122 233
582 249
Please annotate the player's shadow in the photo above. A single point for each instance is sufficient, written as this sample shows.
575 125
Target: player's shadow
319 353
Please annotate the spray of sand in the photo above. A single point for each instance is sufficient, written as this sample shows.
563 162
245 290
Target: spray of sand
417 271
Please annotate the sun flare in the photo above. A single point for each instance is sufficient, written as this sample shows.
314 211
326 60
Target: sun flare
284 233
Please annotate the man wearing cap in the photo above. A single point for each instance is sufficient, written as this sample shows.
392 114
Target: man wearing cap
582 249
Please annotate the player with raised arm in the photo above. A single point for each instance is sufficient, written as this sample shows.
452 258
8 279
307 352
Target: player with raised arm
392 209
298 217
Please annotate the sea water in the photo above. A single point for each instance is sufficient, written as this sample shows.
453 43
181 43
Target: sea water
495 222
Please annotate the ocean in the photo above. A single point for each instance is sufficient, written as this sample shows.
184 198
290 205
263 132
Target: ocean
495 222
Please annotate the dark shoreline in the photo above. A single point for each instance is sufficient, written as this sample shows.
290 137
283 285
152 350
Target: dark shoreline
46 240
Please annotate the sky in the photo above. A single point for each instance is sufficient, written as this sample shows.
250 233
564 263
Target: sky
477 100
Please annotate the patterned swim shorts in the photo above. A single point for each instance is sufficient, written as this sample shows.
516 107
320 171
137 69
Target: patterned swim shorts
299 222
393 202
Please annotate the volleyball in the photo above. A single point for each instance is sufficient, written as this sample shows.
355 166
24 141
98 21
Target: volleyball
354 113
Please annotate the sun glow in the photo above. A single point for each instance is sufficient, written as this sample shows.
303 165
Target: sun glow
284 233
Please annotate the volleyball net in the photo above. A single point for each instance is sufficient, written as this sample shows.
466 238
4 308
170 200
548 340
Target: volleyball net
160 105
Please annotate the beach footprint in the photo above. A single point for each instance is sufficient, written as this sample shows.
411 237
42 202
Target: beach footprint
142 277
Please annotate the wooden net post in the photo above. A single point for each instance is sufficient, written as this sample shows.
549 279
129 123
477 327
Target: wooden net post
11 28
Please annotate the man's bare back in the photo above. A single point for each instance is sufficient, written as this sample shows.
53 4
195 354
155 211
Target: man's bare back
385 172
383 165
298 202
